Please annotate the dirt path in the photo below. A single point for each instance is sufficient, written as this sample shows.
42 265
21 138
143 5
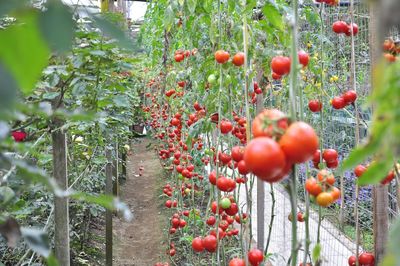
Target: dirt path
138 242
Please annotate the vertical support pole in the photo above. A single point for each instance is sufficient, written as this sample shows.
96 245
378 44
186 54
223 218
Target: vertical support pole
124 161
103 6
116 171
109 191
61 213
380 193
260 183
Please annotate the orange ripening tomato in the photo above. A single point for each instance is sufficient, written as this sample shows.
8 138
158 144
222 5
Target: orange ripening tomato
324 199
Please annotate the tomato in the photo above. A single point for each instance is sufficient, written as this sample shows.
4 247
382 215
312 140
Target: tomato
210 243
332 164
389 57
242 168
221 56
314 106
299 142
225 203
340 27
269 123
335 194
353 27
197 244
338 102
388 45
168 203
237 153
359 170
276 76
300 217
264 158
181 84
214 207
312 186
330 155
326 176
352 260
212 79
225 127
172 252
324 199
237 262
212 177
211 221
232 210
367 259
388 178
304 58
182 223
238 59
224 158
280 65
226 184
255 257
350 96
317 156
179 57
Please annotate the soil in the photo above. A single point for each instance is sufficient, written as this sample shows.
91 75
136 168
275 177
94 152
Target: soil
139 242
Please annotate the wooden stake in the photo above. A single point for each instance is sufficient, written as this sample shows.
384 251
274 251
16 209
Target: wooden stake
61 213
380 193
109 191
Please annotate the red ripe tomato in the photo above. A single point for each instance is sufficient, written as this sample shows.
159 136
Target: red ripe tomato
350 96
264 158
353 27
340 27
314 106
181 84
255 256
390 57
312 186
179 57
197 244
238 59
168 204
226 127
299 143
242 168
276 76
175 222
300 217
366 259
359 170
317 156
352 260
224 158
211 221
214 207
333 164
330 155
197 106
388 178
172 252
237 262
19 136
304 58
268 123
280 65
338 102
389 45
210 243
233 209
226 184
212 177
221 56
237 153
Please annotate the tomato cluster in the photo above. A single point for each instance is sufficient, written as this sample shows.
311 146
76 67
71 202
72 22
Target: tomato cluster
280 65
222 57
391 50
277 145
340 102
329 157
341 27
180 55
364 259
322 188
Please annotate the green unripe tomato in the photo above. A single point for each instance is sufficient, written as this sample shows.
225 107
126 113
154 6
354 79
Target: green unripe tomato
212 79
225 203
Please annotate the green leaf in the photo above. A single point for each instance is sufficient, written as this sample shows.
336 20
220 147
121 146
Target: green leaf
113 31
37 240
57 26
316 253
121 101
273 15
24 54
191 5
9 88
359 154
51 260
169 18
